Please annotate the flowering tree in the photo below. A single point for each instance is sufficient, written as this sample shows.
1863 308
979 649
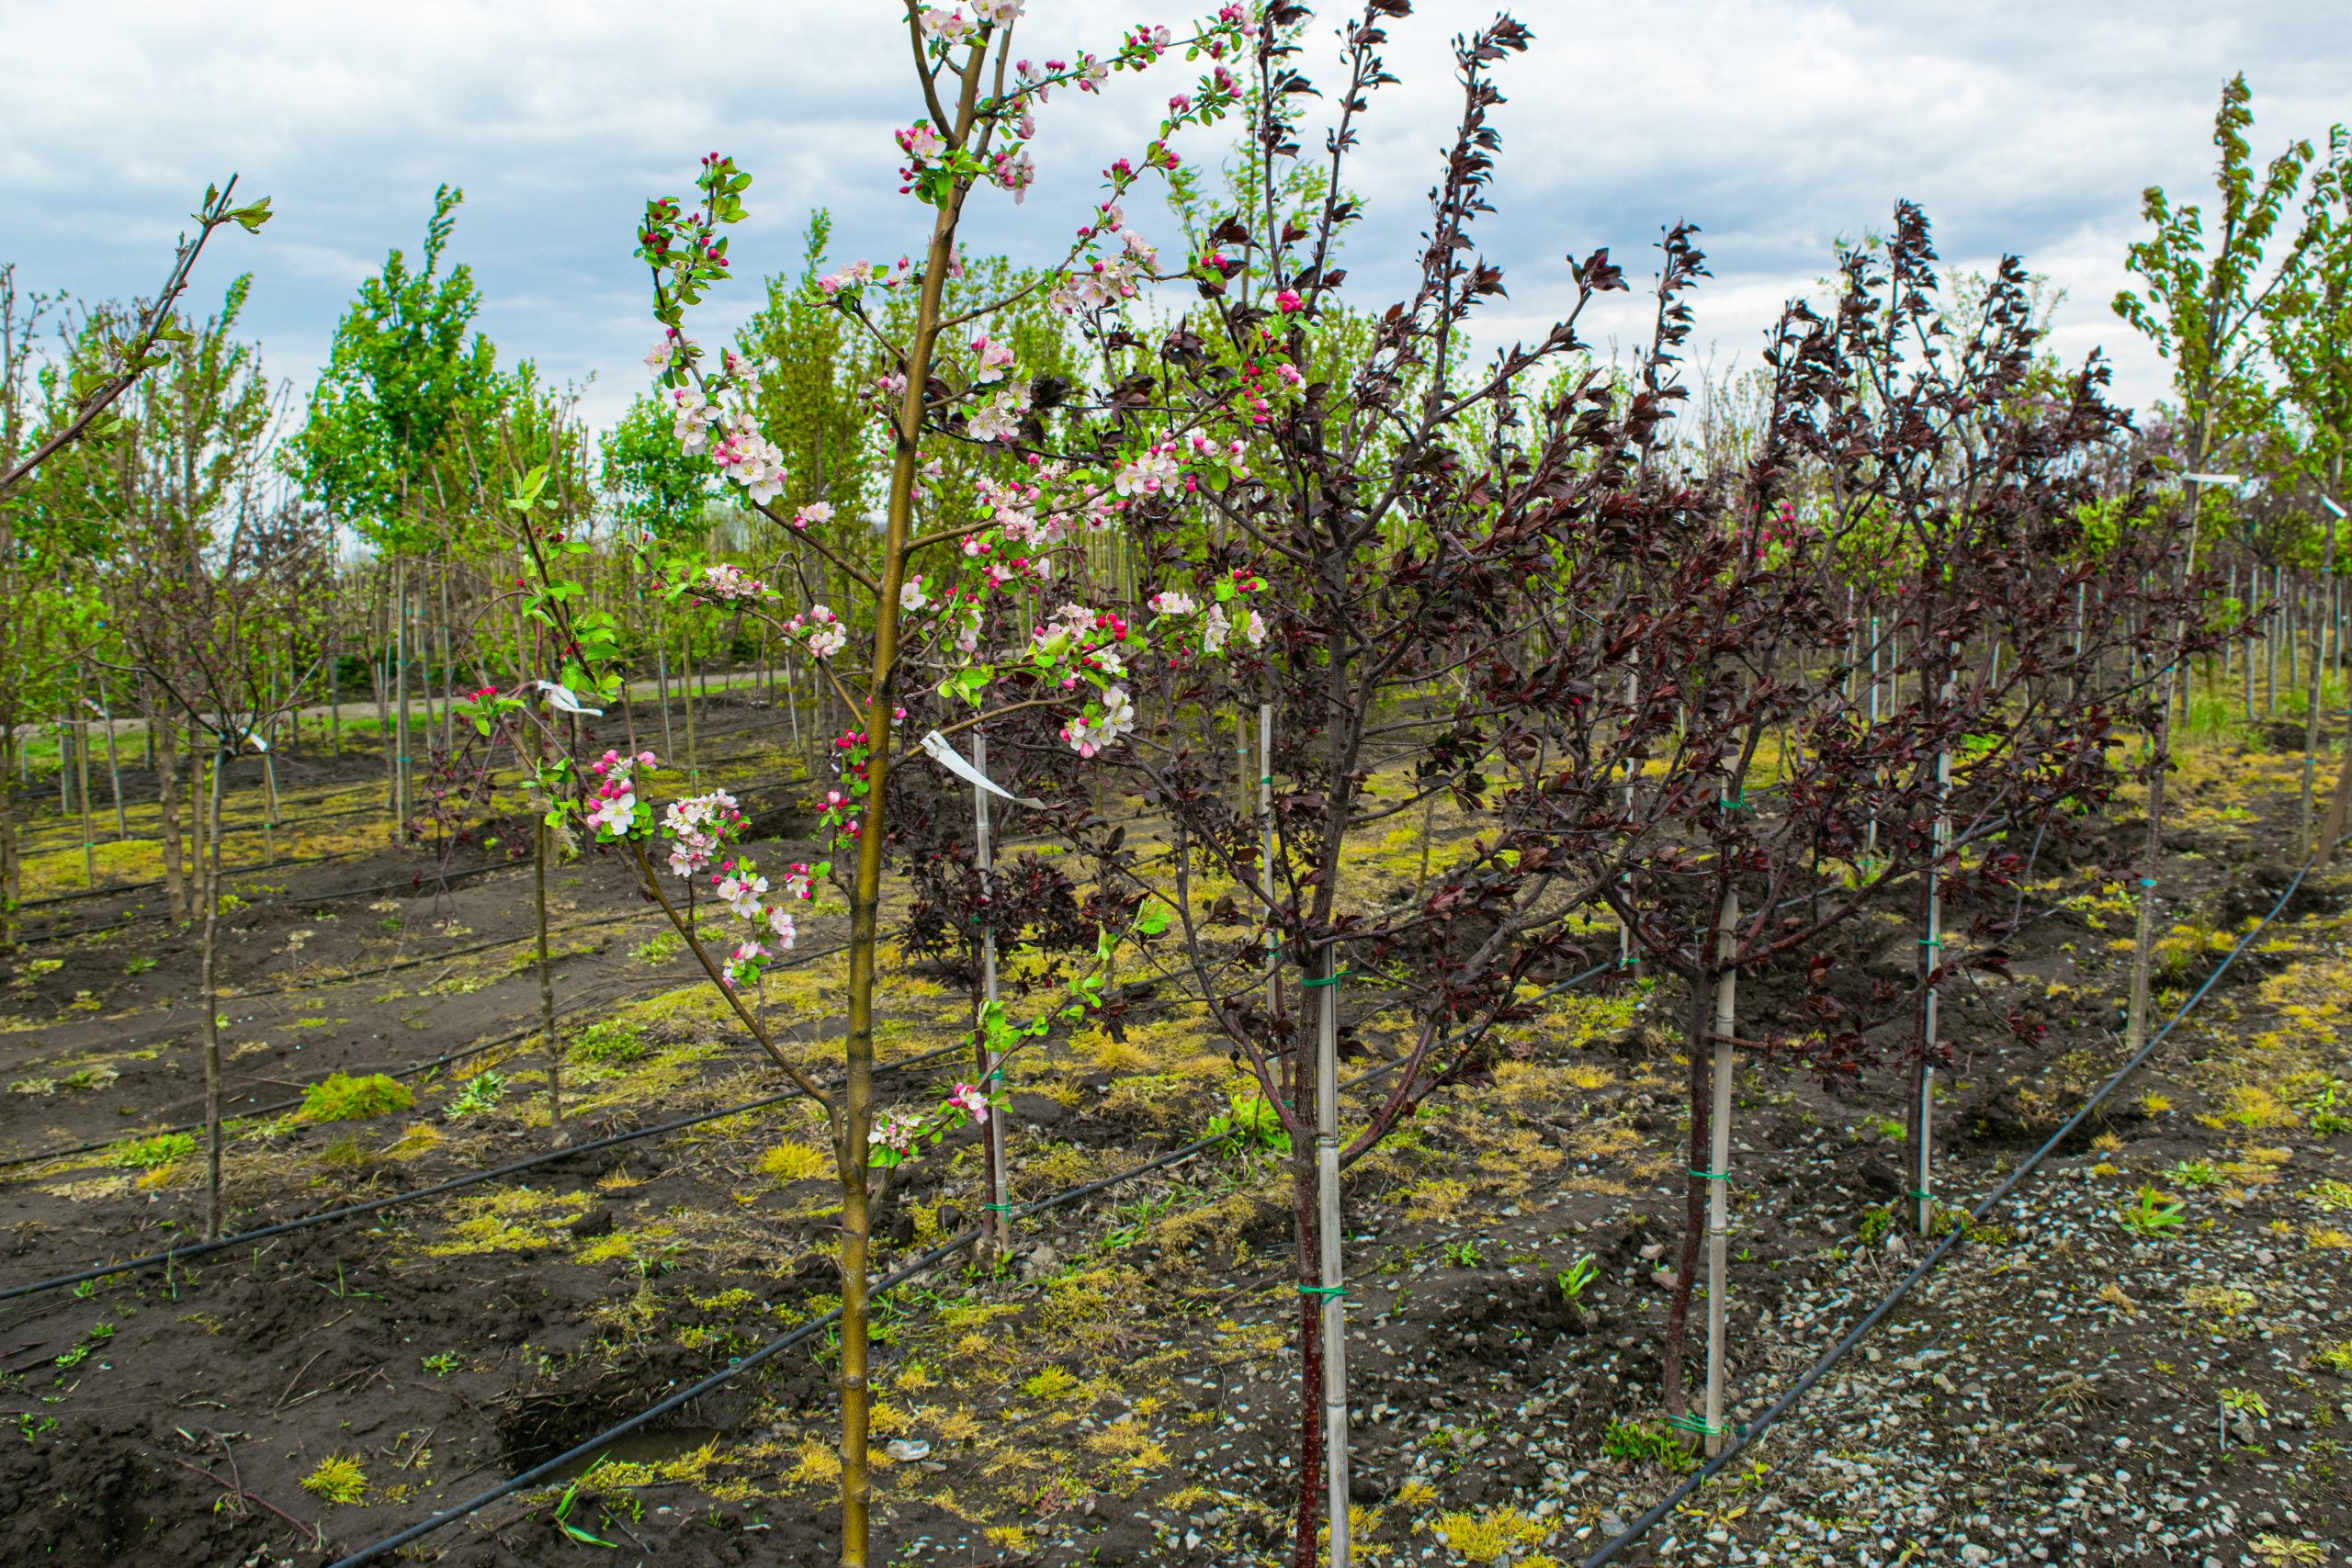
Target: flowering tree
951 590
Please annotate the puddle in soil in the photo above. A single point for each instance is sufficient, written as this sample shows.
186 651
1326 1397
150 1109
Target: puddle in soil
640 1448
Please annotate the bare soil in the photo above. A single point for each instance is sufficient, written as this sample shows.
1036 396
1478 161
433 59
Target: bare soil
1124 1390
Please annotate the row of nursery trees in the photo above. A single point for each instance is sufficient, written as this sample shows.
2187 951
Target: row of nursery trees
1166 518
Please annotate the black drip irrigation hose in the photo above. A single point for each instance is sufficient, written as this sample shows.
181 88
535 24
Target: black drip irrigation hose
767 1352
1747 1435
1742 1437
226 872
410 1071
799 1334
415 884
70 842
472 1178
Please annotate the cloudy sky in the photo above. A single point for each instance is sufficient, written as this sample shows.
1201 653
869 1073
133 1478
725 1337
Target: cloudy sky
1778 125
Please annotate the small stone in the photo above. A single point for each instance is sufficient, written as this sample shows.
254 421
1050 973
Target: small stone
906 1450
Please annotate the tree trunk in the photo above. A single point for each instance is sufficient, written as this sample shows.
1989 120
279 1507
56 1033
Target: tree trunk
1694 1192
1310 1361
539 837
1718 1168
208 880
164 734
12 881
2310 707
2144 938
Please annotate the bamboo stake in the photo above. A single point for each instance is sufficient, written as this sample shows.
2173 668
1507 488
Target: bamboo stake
399 697
1923 1104
82 780
2310 707
208 870
114 764
1719 1160
1331 1290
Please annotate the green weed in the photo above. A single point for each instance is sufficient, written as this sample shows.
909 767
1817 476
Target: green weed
339 1098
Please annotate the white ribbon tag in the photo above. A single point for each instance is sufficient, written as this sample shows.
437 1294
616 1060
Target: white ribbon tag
946 756
561 699
2216 478
2329 502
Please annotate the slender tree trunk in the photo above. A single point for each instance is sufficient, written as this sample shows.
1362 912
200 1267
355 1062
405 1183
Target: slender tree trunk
1310 1359
1694 1191
209 877
539 837
12 881
1718 1168
164 734
2310 706
81 781
996 1210
1329 1402
114 764
856 1119
2144 939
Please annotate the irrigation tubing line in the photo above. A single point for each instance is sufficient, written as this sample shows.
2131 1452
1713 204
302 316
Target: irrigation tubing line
473 1179
924 1261
415 883
329 982
807 1330
70 841
157 881
410 1071
767 1352
799 1334
1747 1435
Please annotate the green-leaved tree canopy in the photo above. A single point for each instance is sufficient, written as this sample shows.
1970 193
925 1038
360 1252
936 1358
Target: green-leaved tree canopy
406 374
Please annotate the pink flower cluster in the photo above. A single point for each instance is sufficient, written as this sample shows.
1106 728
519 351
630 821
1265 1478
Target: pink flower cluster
612 809
821 632
739 885
725 583
859 273
1075 641
1098 728
730 439
698 827
895 1131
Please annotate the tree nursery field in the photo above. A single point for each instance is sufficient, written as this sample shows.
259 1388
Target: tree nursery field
1115 907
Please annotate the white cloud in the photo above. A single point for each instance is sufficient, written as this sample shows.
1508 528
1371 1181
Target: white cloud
1777 124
